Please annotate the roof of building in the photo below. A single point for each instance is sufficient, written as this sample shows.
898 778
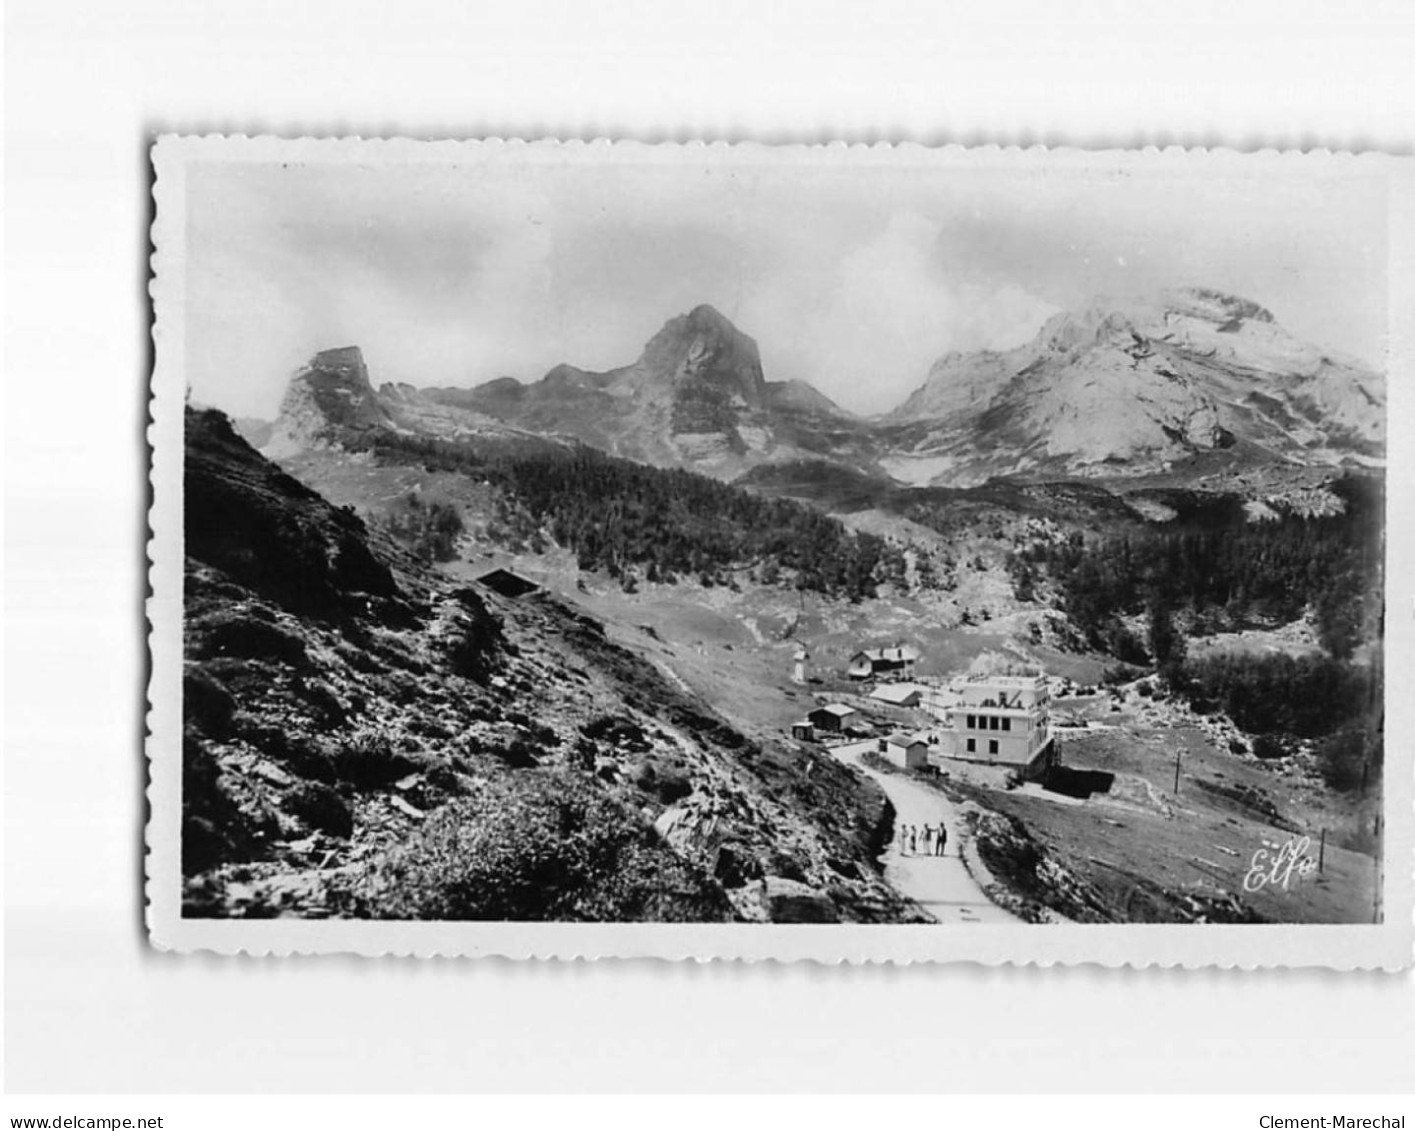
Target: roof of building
907 740
508 584
989 705
1009 681
905 653
839 709
894 692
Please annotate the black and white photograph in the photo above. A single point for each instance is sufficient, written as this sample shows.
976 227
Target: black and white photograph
845 563
734 536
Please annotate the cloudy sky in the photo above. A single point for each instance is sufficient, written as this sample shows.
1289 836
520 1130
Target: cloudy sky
854 276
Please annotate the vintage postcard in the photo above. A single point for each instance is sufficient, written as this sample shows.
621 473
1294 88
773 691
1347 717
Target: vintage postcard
717 551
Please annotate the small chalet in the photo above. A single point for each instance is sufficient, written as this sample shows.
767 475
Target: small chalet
803 730
833 717
896 663
907 751
508 584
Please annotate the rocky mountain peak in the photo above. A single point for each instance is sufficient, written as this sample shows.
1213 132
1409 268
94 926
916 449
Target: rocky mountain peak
1131 387
331 392
703 347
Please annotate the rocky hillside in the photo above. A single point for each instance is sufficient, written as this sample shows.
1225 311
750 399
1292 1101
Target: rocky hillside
364 737
1127 391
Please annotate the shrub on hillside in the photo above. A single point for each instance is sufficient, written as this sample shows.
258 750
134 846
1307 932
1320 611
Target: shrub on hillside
370 760
206 703
216 828
320 807
544 845
249 636
429 529
475 642
1350 759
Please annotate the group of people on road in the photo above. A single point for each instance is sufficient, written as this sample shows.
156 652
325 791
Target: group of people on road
933 840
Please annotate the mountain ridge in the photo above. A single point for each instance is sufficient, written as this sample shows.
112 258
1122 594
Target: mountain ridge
1132 389
1113 391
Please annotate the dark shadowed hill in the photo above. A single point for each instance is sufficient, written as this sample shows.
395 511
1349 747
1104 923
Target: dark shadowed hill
365 738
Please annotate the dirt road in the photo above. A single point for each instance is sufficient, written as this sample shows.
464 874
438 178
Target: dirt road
941 885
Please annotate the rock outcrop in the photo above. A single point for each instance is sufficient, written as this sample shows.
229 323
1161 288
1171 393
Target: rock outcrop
330 394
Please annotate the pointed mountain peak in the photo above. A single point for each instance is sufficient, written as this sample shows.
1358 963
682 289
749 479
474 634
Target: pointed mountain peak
331 392
704 349
706 317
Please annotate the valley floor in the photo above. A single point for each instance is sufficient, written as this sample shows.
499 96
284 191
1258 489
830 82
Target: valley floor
1136 851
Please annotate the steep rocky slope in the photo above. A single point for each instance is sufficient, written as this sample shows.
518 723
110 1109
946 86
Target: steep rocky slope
1132 390
364 737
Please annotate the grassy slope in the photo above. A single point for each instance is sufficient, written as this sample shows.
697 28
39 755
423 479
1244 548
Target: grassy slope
1142 833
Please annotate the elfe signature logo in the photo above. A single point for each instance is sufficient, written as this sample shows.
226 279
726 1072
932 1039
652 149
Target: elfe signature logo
1275 865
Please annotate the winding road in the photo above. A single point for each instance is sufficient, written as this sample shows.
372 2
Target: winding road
941 885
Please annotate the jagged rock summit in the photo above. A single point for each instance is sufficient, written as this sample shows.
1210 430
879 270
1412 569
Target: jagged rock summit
330 394
1133 389
703 354
696 397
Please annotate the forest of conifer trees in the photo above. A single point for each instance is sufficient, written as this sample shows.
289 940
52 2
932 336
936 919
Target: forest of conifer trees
619 516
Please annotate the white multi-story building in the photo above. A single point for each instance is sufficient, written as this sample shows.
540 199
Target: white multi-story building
1000 719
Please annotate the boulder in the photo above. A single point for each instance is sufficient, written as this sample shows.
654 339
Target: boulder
733 866
788 901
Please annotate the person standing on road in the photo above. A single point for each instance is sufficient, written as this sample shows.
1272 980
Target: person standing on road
913 839
928 836
903 840
942 840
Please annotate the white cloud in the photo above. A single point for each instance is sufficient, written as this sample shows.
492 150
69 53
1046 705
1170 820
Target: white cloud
856 282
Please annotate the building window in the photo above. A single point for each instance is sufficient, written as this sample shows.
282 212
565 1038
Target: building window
972 722
1006 724
972 746
993 723
992 746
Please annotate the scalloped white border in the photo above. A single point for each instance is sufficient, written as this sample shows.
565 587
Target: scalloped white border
1386 946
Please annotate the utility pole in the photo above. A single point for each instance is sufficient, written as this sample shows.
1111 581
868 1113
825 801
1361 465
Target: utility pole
1322 852
1376 894
1177 754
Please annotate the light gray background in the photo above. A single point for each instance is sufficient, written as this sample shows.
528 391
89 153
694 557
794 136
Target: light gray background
88 1007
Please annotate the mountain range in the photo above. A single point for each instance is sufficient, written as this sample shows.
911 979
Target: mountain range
1117 391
